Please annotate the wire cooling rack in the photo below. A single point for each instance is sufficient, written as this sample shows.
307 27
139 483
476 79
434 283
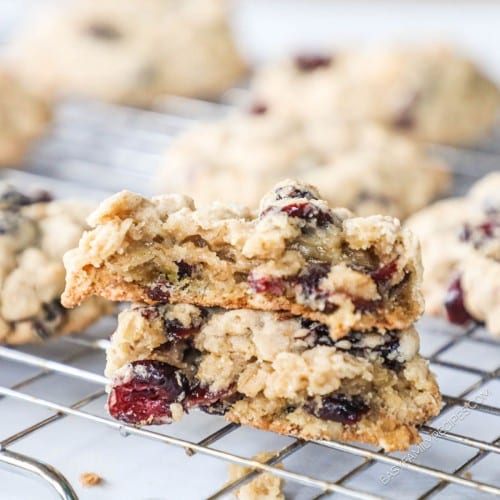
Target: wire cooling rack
53 426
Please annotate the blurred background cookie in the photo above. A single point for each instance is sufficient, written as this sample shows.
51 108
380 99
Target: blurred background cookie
460 239
130 52
430 92
361 166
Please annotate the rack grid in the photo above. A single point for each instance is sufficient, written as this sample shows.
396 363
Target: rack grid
116 147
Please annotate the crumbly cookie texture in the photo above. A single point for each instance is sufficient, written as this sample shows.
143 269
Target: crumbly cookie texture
131 52
265 486
429 92
463 282
363 167
272 371
295 255
34 234
24 116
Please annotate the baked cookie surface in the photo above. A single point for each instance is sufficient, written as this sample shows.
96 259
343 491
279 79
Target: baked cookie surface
460 240
429 92
272 371
363 167
131 51
35 232
296 254
24 116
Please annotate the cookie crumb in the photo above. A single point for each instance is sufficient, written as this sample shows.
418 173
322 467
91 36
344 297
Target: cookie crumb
88 479
265 486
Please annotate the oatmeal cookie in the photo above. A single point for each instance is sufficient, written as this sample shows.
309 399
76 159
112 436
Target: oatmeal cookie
296 254
363 167
430 92
34 234
24 116
272 371
131 52
460 241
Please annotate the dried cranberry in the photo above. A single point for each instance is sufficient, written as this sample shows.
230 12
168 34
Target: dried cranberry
405 118
319 333
211 401
386 349
308 211
337 407
258 108
293 192
454 303
307 63
477 235
364 305
104 31
14 199
160 291
269 284
149 312
175 330
147 397
310 278
386 272
184 270
465 233
488 228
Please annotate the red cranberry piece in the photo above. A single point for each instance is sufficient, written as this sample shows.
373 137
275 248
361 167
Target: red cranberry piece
147 397
149 312
308 63
387 349
160 291
454 303
309 212
364 305
258 108
14 199
488 228
103 31
270 285
405 118
319 333
385 272
213 402
342 408
310 278
175 330
465 233
184 270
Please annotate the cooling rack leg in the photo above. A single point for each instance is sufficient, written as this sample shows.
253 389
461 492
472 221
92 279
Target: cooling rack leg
46 472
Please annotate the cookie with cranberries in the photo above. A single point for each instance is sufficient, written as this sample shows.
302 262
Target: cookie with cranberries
295 254
271 371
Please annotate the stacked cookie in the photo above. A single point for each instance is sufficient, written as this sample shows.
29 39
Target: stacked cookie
297 319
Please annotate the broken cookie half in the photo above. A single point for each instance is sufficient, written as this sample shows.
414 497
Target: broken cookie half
296 254
272 371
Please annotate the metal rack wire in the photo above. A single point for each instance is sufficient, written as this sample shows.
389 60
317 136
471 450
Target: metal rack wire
120 147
